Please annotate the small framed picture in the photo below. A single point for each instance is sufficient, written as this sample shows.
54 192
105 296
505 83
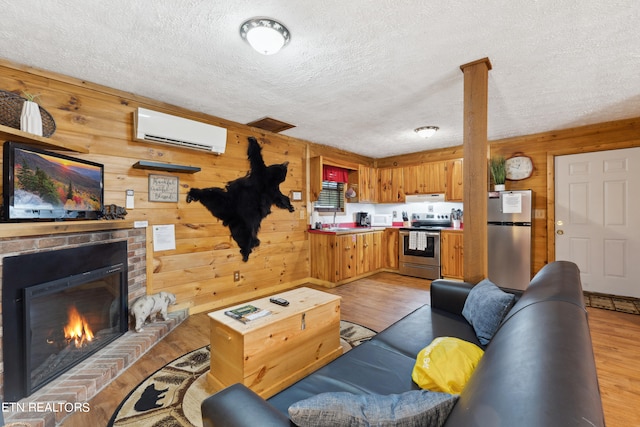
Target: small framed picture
163 188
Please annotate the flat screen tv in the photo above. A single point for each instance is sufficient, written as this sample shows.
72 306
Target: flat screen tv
43 185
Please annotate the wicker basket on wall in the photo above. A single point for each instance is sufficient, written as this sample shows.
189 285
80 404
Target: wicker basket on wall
11 107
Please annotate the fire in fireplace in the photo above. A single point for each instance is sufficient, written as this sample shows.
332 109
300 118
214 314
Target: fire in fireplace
61 318
77 329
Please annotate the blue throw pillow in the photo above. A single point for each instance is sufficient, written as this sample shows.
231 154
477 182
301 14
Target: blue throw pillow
417 408
485 307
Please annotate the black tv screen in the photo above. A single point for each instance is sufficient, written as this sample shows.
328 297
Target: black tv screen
40 184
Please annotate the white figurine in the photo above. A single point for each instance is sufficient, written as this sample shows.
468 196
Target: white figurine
148 307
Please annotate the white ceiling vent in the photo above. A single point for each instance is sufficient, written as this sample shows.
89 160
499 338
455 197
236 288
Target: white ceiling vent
162 128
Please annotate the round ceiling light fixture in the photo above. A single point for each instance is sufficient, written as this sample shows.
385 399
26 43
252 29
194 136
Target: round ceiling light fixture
265 35
426 131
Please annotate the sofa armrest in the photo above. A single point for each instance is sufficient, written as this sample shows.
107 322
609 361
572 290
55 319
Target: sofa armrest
449 295
238 406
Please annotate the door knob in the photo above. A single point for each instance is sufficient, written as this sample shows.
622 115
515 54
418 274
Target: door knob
560 232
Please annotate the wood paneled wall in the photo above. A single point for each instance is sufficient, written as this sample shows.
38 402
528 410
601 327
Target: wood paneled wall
542 148
200 270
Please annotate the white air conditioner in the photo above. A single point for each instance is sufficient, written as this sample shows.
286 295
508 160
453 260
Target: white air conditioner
164 128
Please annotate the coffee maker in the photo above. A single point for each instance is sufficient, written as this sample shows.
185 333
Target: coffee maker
363 219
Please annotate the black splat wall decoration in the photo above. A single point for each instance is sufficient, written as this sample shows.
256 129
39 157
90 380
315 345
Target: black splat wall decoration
245 202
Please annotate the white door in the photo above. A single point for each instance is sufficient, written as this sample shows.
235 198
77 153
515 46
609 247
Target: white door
597 213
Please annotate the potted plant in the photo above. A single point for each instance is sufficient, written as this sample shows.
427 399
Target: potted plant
498 172
30 118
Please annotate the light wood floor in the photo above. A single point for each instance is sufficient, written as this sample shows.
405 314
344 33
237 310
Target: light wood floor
379 301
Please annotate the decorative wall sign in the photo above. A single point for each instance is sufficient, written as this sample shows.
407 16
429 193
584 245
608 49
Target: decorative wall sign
163 188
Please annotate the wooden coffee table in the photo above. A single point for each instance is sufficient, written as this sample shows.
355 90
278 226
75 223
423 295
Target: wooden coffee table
270 353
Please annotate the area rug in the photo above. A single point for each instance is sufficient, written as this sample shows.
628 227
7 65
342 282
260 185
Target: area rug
171 396
612 302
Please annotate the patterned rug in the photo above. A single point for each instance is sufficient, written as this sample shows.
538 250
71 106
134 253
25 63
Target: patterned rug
612 302
171 396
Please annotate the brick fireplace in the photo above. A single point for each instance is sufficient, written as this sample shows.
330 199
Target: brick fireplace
51 402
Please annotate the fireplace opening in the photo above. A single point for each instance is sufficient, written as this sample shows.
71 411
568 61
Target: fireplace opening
69 319
58 308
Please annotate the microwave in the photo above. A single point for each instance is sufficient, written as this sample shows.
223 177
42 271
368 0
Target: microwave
381 220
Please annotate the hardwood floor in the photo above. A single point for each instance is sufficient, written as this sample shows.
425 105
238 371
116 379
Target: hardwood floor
377 302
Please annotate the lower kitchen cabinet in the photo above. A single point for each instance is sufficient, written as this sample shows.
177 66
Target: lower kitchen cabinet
339 257
451 254
390 250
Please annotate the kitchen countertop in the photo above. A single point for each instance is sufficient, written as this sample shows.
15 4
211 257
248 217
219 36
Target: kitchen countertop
349 230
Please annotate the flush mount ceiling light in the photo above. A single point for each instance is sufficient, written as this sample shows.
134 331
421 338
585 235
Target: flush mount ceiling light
265 35
427 131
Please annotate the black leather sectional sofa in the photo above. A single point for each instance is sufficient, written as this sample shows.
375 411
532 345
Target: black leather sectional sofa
538 370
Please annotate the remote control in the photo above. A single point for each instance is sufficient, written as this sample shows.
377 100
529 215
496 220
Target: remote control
280 301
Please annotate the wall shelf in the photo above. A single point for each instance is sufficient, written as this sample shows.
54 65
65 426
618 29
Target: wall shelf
11 134
168 167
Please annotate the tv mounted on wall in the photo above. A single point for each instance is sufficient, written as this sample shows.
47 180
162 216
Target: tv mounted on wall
43 185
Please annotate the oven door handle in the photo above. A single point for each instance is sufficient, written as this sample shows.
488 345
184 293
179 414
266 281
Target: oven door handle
428 233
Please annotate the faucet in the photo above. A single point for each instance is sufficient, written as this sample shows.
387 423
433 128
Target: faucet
334 225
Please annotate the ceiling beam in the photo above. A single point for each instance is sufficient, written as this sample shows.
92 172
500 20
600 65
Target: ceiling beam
475 148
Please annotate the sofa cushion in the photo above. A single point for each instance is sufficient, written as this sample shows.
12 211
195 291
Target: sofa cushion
485 308
416 408
446 365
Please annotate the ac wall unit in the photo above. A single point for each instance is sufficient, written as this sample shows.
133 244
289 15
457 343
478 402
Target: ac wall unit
162 128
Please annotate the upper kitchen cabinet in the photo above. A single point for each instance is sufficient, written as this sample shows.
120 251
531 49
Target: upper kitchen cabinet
454 186
364 182
426 178
316 165
390 185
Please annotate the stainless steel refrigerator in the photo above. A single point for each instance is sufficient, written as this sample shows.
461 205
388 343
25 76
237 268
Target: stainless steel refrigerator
509 238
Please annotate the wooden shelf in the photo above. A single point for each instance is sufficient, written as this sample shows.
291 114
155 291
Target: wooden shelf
168 167
10 134
24 229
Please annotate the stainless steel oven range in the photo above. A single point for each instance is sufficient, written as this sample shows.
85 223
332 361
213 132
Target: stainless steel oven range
420 245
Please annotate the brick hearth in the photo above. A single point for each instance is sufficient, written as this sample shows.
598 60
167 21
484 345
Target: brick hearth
70 392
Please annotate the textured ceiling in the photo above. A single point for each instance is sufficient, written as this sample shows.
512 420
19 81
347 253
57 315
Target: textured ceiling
359 75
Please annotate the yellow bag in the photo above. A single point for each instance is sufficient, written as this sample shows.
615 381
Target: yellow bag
446 365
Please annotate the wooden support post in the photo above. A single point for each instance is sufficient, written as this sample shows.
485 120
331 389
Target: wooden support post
475 152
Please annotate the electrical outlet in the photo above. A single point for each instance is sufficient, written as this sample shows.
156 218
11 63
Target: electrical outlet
236 276
395 214
539 213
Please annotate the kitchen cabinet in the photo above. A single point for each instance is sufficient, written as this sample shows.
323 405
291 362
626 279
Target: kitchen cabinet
390 248
390 185
315 173
454 188
426 178
368 252
364 181
345 255
339 257
451 254
322 248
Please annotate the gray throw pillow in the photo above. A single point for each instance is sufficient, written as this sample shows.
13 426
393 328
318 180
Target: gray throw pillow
485 307
417 408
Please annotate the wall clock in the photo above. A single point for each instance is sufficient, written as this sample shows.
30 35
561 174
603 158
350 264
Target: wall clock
519 167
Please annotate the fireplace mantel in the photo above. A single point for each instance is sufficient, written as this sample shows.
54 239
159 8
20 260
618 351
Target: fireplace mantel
24 229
